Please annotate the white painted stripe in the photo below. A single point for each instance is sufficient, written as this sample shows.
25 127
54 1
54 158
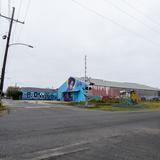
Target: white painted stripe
37 107
51 153
60 151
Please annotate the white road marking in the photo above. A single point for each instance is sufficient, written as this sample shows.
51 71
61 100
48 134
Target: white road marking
59 153
37 107
55 152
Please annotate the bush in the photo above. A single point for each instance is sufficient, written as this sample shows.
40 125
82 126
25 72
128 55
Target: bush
1 107
111 100
105 100
14 93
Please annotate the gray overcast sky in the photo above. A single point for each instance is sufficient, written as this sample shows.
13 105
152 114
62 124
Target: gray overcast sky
62 32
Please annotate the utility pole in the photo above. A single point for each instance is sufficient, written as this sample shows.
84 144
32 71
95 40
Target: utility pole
6 50
86 90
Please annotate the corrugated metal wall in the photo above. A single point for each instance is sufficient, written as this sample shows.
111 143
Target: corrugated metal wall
115 92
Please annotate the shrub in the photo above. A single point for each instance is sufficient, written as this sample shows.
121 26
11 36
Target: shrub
105 100
111 100
14 93
1 107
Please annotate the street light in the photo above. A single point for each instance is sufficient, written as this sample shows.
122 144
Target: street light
8 36
4 64
23 44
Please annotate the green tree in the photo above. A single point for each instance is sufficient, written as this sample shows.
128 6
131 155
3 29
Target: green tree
14 93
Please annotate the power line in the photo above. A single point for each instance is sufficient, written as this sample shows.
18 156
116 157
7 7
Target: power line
9 8
133 17
18 13
0 6
141 12
27 9
19 9
25 17
114 22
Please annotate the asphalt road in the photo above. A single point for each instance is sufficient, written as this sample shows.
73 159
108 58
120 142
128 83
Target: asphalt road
57 132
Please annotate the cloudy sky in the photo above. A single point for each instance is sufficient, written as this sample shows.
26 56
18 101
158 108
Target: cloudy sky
121 39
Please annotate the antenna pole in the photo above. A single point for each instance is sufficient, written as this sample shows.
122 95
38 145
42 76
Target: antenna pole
86 86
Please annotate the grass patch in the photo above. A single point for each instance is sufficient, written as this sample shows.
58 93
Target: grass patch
151 105
110 108
56 102
64 102
2 107
77 103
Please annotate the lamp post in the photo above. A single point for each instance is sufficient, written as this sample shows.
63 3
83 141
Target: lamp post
23 44
4 66
8 36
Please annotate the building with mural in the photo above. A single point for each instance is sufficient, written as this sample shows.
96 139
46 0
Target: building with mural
74 89
30 93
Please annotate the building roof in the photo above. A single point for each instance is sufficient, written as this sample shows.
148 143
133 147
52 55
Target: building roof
127 85
37 89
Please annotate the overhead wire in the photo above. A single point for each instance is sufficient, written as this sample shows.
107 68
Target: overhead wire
141 12
115 23
19 9
131 16
18 13
27 10
24 19
9 8
0 6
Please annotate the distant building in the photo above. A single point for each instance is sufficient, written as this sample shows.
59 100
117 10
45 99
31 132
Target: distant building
74 89
30 93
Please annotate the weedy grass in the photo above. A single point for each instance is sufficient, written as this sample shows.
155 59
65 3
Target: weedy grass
65 102
56 102
148 105
107 106
153 105
110 108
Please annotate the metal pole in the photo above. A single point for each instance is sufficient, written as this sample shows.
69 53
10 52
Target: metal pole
5 55
23 44
86 100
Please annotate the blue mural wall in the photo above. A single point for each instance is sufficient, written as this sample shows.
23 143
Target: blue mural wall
72 90
38 94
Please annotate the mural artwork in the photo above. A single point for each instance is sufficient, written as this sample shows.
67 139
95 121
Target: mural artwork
68 96
39 95
70 84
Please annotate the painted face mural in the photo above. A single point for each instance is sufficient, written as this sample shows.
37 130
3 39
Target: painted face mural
71 84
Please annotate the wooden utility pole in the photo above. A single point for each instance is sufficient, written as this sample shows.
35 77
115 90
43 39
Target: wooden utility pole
6 50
